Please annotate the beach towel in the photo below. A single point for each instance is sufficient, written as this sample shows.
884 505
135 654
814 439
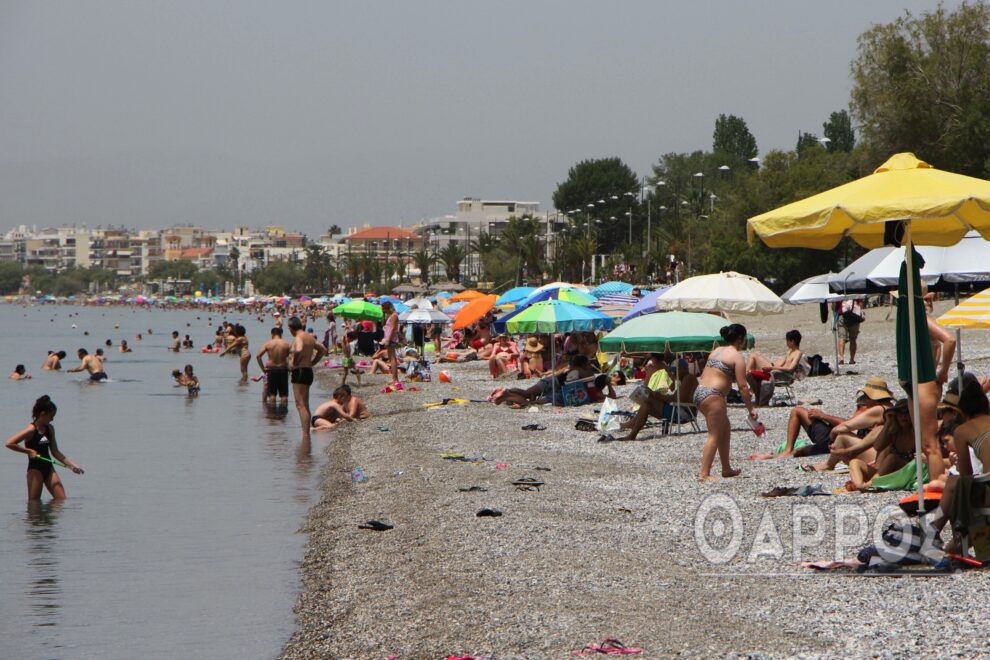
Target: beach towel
798 444
903 479
660 381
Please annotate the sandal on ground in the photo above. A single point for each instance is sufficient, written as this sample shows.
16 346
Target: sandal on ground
377 526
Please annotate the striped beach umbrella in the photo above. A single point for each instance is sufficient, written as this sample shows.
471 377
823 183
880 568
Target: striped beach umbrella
974 312
612 288
552 316
616 306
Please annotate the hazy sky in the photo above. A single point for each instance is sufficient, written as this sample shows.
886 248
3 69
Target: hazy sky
307 114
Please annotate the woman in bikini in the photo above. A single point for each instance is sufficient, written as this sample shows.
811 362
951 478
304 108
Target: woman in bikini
40 446
894 447
724 365
240 345
391 339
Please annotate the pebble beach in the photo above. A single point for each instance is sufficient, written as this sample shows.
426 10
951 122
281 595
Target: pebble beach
606 547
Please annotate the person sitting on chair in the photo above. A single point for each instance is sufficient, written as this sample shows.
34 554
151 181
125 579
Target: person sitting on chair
665 405
759 368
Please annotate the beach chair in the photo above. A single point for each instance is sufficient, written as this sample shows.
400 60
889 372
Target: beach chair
782 394
688 415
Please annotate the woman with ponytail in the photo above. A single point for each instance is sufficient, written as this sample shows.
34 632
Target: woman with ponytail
724 365
40 446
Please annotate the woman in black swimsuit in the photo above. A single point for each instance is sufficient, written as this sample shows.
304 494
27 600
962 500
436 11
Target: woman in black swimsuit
39 444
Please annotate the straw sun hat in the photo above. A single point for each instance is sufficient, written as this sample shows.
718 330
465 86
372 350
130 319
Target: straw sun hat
876 389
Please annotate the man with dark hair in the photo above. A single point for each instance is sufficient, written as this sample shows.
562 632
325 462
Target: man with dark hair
277 369
759 368
304 353
91 363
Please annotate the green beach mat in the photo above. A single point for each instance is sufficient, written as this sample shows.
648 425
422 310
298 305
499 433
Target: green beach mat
904 479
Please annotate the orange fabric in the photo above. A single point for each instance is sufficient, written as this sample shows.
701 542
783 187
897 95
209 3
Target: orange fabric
474 310
467 296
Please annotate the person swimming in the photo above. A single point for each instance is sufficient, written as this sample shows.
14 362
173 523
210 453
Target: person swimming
54 361
38 439
19 373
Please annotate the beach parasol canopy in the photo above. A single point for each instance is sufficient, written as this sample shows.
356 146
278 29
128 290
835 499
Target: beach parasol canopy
974 312
514 295
552 316
466 296
409 288
612 288
419 303
557 285
615 305
424 316
905 201
814 289
855 278
646 305
453 308
566 293
966 262
446 286
731 293
943 205
474 310
677 332
359 309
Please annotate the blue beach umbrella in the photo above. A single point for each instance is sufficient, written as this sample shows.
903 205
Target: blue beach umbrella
514 295
551 316
646 305
612 288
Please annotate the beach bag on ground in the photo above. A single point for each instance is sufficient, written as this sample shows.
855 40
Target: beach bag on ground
576 394
605 417
818 366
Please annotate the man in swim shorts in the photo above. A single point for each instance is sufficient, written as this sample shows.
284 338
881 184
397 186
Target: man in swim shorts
277 369
91 363
305 352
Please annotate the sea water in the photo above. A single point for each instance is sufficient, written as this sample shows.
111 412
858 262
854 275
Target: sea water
181 539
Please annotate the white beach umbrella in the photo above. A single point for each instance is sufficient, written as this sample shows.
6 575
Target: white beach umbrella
732 293
424 316
815 289
419 303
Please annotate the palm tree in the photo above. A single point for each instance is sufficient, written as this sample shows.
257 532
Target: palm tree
485 246
424 262
451 257
516 236
583 250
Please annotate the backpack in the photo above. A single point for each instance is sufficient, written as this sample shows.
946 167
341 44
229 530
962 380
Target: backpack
817 366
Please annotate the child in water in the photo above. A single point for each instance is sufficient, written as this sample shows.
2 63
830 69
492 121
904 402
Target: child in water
186 378
40 446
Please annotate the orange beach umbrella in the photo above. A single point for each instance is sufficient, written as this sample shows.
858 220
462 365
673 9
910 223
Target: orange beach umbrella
474 310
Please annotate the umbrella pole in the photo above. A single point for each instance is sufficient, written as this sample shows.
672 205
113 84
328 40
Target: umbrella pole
835 338
913 343
960 367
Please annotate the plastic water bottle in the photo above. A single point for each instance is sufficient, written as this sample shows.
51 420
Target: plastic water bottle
357 474
758 428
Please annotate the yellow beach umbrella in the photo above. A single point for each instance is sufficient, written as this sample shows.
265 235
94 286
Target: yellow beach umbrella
904 202
973 312
942 205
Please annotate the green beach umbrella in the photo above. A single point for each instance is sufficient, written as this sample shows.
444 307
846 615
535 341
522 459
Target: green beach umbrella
359 309
552 316
677 332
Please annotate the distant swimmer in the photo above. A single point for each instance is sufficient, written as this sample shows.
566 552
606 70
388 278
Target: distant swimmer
54 361
124 348
91 363
277 369
19 373
240 346
40 446
175 342
306 351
